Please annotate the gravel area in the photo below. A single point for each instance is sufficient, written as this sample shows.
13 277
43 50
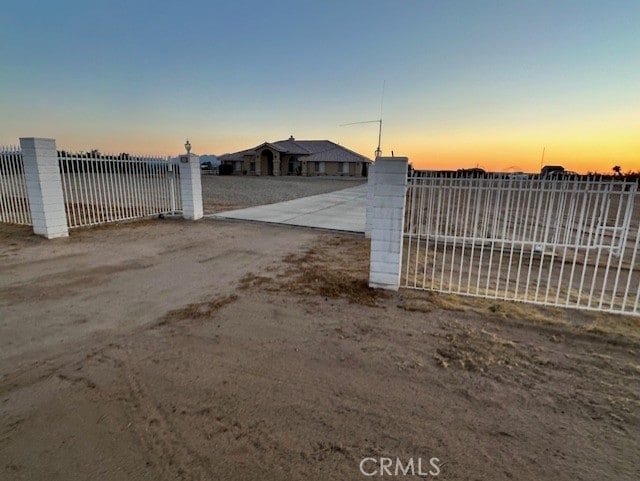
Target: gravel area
224 192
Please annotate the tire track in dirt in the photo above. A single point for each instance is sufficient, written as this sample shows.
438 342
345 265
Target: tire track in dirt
163 446
33 373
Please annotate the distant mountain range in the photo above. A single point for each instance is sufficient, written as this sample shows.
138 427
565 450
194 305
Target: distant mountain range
210 158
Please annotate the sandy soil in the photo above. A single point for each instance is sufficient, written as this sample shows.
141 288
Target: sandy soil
214 350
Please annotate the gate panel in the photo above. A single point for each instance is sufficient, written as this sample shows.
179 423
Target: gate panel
107 188
560 242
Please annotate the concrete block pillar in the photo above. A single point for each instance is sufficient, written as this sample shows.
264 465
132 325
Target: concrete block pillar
191 187
387 222
44 187
369 211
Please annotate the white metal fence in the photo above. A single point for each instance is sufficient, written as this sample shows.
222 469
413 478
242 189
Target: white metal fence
106 188
14 201
97 188
561 242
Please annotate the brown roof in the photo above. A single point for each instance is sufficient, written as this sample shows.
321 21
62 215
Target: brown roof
236 155
312 150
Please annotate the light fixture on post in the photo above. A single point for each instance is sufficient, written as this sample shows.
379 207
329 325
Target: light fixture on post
187 146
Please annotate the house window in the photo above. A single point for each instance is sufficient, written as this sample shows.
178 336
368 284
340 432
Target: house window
343 168
237 166
252 166
319 167
294 166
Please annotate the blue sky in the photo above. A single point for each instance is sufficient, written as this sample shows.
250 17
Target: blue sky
467 82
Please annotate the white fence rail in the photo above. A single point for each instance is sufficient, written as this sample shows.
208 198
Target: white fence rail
106 188
561 242
14 201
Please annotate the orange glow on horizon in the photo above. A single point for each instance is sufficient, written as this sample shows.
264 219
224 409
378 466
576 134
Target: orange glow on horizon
582 154
525 161
576 151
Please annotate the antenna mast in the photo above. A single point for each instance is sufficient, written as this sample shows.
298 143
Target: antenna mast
378 151
379 122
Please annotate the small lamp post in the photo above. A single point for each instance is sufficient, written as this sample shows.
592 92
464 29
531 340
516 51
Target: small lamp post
187 146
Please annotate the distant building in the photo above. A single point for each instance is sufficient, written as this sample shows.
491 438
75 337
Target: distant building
474 172
209 162
548 170
298 157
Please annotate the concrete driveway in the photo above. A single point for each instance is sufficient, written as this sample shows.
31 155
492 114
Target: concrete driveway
342 210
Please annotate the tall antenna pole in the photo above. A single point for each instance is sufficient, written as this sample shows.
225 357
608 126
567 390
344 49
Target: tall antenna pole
542 159
378 150
378 121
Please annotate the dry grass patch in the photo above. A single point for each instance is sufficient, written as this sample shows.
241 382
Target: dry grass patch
251 280
426 301
594 322
198 310
626 326
476 350
336 267
15 232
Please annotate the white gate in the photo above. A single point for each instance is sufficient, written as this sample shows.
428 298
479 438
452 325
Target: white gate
106 188
569 242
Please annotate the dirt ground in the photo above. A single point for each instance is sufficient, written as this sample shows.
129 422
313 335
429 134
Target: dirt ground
227 192
219 350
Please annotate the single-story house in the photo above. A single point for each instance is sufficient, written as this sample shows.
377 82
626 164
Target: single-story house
298 157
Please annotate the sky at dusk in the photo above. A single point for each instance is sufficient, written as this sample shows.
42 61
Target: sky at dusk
467 83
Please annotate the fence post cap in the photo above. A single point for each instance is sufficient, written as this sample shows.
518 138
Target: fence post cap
33 142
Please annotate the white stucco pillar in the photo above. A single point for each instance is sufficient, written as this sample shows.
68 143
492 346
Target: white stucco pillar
387 222
44 187
191 187
369 211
